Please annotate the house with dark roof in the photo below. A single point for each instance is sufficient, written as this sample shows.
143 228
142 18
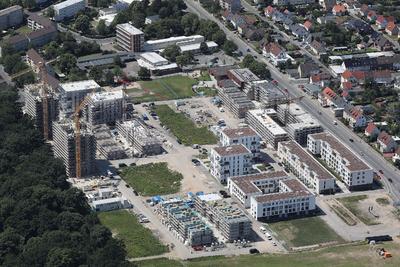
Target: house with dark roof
317 48
299 31
371 130
360 26
383 44
253 33
386 143
305 70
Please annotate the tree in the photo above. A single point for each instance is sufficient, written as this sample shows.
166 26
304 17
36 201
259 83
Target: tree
61 257
219 37
96 74
109 77
185 59
50 12
30 4
118 61
66 62
171 52
82 23
144 73
229 47
204 48
117 71
101 27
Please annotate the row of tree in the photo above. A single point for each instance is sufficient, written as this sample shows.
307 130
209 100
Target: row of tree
43 221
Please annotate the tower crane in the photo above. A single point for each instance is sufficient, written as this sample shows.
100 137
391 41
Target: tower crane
289 100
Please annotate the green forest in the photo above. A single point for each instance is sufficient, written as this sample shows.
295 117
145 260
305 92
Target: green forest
44 221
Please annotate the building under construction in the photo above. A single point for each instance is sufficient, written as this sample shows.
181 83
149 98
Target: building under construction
42 106
64 136
231 221
236 101
104 107
137 135
106 143
184 221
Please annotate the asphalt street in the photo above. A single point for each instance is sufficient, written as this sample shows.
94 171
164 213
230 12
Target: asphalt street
326 118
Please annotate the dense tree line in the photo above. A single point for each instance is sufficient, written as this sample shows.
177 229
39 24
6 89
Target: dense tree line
43 221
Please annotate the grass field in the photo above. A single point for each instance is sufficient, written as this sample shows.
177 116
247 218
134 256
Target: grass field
208 91
343 256
183 128
152 179
139 241
304 232
172 87
351 203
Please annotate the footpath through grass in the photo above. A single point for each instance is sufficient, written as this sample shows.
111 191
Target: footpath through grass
343 256
352 204
304 232
184 128
167 88
152 179
138 240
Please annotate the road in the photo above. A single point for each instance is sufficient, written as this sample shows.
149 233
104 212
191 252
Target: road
326 118
79 38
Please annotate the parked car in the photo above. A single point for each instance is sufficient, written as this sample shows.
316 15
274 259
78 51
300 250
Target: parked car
195 162
254 251
122 165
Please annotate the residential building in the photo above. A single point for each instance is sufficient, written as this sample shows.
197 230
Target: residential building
291 198
355 117
269 94
299 31
371 130
327 4
292 2
231 221
156 64
339 10
227 161
11 17
160 44
276 53
64 147
73 93
308 25
307 69
151 19
317 48
39 100
321 79
358 77
234 99
299 124
396 156
105 107
306 167
186 222
266 127
137 135
245 136
247 186
221 72
243 78
354 173
129 38
233 6
386 143
68 9
106 143
392 29
383 44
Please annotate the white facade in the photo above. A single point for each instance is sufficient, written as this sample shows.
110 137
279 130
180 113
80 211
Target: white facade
230 161
292 2
105 107
108 204
68 9
291 198
129 38
154 62
353 171
305 167
160 44
266 127
245 136
73 93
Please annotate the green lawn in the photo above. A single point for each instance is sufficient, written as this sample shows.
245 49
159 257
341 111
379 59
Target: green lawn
183 128
138 240
304 232
208 91
24 30
152 179
173 87
205 76
351 203
343 256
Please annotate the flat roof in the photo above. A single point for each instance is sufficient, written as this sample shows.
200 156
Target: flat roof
106 201
239 132
307 159
174 39
129 28
246 182
79 85
67 3
10 9
231 150
267 122
104 96
153 57
354 162
210 197
244 75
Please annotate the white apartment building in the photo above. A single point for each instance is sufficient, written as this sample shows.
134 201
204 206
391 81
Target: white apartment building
227 161
298 123
73 93
306 168
353 171
105 107
129 38
266 127
290 198
247 186
245 136
68 9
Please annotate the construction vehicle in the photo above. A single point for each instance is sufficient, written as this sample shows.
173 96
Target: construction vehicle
383 253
